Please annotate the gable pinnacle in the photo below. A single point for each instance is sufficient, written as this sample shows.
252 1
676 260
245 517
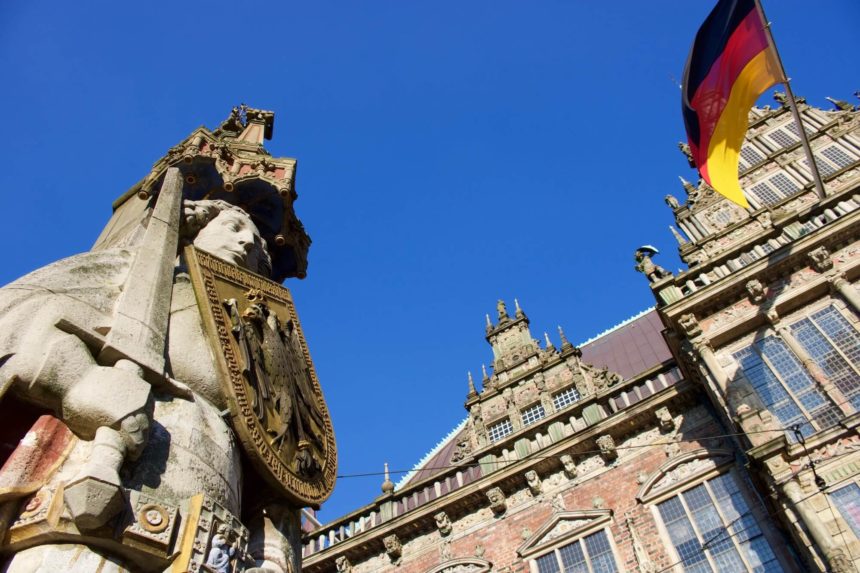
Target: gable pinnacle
688 187
520 312
565 343
484 371
472 391
387 485
678 237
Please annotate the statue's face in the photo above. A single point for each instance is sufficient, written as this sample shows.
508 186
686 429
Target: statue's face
232 236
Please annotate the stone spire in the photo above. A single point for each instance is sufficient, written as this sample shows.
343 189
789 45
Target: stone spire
678 237
549 344
486 376
520 313
387 485
688 187
472 391
565 343
489 323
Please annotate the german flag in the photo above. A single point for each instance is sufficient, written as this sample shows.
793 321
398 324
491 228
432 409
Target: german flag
731 63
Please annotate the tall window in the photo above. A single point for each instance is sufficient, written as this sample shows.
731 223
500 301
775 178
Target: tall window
591 554
835 346
785 387
712 528
782 137
750 157
848 501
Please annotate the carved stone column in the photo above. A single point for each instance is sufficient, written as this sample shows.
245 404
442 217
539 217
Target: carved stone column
820 260
809 363
702 349
835 554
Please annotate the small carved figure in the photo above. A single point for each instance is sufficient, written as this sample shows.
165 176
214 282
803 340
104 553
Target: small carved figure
646 266
221 551
502 310
479 430
598 502
756 291
393 547
690 325
665 419
497 500
443 523
820 259
780 98
534 483
569 465
672 202
607 447
343 565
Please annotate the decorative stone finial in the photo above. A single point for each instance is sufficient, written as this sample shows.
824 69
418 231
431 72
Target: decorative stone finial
387 485
484 372
502 310
678 237
549 344
565 343
520 312
840 104
689 188
472 391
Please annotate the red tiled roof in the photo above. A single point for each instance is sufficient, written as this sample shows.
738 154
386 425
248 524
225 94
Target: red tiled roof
631 348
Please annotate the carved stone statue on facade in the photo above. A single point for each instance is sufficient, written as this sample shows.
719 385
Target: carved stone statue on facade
569 465
672 202
534 482
685 149
124 321
647 267
393 547
443 523
497 501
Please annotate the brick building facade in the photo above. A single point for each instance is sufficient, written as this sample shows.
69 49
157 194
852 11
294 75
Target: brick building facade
717 432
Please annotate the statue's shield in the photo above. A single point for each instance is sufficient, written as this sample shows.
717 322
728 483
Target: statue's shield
275 400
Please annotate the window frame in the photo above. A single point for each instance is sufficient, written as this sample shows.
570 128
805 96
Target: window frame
498 423
599 520
527 412
791 319
720 469
570 390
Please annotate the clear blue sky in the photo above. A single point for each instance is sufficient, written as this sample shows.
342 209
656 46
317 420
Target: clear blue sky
450 153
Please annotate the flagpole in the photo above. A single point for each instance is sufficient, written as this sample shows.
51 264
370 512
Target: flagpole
810 158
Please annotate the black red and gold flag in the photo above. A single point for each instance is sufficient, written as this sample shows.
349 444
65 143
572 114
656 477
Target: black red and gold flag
731 63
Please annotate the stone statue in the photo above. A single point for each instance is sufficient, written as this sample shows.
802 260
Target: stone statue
221 551
647 267
685 149
672 202
113 342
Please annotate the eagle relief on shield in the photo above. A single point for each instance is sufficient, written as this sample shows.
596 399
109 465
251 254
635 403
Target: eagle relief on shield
275 400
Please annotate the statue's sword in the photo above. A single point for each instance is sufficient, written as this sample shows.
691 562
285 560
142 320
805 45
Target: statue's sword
138 329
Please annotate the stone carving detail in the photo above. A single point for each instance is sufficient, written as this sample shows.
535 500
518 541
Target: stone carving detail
562 527
569 465
642 559
534 482
558 504
343 565
462 451
497 501
479 430
756 291
598 502
665 419
820 260
608 451
443 523
672 202
393 548
221 551
647 267
690 325
682 471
